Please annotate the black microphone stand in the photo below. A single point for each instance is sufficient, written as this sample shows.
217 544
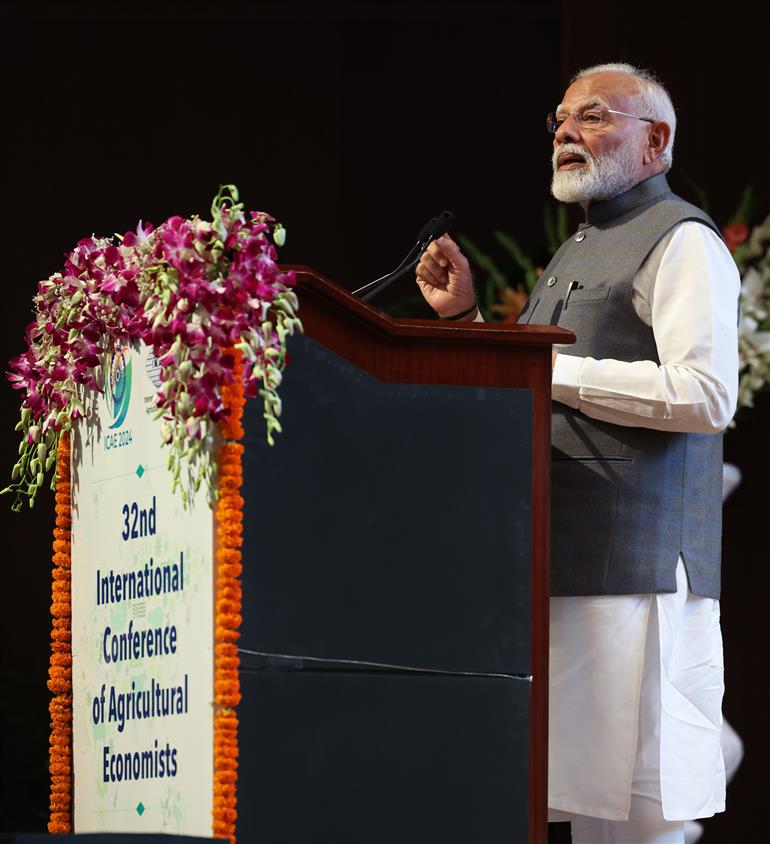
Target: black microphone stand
430 232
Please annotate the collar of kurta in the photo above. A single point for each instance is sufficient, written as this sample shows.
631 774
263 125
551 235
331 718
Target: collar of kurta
644 192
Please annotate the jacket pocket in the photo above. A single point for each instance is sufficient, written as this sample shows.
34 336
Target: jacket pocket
579 295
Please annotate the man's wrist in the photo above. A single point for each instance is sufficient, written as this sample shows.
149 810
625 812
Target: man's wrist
467 314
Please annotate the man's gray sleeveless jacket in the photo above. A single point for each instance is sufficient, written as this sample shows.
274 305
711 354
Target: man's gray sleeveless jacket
626 501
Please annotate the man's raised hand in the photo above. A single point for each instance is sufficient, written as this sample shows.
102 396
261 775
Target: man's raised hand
444 278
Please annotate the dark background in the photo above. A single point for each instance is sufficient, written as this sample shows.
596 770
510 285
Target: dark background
353 123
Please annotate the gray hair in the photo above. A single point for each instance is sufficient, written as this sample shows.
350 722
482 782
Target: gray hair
654 100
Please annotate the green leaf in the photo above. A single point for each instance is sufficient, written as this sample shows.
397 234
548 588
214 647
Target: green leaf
740 255
490 290
746 207
483 261
514 250
530 279
549 225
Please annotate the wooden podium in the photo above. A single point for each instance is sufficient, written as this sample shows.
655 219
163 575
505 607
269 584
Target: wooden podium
394 647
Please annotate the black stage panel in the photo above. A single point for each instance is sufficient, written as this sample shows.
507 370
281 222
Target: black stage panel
383 758
390 523
385 647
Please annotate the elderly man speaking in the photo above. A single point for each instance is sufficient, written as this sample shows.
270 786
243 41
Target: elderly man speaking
640 401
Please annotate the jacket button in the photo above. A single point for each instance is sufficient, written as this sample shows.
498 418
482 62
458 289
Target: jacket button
580 236
551 281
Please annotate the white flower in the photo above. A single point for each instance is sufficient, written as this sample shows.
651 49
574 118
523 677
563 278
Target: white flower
747 326
762 341
751 286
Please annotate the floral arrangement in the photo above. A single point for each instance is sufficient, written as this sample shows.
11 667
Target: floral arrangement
751 251
191 289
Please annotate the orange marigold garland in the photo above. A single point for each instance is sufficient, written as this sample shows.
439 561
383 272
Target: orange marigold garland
60 670
227 621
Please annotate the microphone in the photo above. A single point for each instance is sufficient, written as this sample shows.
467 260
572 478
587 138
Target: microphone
426 230
432 230
441 225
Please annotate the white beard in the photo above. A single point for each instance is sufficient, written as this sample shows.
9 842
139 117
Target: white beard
601 178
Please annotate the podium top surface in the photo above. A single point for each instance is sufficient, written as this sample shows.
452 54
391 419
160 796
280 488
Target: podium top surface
313 284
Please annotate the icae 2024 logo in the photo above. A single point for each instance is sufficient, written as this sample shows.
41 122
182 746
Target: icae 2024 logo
117 393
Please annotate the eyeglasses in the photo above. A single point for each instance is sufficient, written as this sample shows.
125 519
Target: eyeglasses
588 119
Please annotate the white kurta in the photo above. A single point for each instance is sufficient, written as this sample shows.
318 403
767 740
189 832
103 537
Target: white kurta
636 680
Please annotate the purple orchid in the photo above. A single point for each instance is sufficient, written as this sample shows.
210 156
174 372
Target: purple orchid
189 289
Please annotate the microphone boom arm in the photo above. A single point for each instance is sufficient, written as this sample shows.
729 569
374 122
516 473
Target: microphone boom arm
431 231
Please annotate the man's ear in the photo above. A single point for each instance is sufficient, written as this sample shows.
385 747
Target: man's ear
657 141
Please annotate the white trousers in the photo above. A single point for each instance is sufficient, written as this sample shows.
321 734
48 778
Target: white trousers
645 824
635 710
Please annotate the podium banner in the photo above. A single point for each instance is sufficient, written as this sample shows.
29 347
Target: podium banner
142 619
